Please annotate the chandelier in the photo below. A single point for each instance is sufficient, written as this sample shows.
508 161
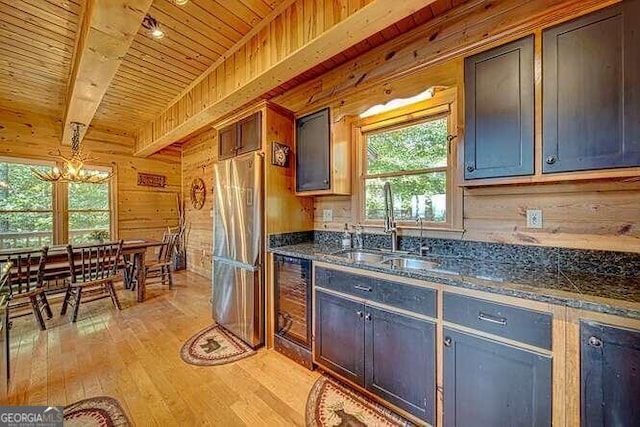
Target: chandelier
72 168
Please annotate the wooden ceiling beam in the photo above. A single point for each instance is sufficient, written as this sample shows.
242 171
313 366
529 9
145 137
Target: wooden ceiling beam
106 31
304 35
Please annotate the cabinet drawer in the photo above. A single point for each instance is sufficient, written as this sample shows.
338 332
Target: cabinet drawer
527 326
412 298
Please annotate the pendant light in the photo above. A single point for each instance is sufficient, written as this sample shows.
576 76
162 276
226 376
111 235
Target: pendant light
73 167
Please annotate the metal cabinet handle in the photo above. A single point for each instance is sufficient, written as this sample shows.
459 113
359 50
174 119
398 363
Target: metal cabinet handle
362 288
447 342
595 342
368 317
550 160
325 181
502 321
359 313
470 167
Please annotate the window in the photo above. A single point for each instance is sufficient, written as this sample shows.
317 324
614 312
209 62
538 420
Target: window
30 215
408 148
26 206
89 210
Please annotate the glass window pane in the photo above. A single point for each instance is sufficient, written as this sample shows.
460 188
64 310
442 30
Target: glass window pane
415 147
85 227
422 195
88 196
21 190
25 229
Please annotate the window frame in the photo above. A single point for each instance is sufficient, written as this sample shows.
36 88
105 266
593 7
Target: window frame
60 197
66 211
442 104
52 211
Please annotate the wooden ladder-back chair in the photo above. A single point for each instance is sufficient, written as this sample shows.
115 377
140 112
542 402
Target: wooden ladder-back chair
161 266
93 269
25 284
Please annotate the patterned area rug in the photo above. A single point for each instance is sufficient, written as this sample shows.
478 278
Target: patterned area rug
330 403
101 411
214 346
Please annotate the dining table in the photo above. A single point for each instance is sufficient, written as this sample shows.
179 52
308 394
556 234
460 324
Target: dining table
134 253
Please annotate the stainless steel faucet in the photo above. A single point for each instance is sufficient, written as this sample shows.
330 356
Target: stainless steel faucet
390 226
422 249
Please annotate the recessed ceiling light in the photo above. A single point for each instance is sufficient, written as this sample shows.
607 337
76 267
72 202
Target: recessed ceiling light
180 2
153 26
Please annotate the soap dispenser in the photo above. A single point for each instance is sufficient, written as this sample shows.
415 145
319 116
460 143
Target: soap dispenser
346 237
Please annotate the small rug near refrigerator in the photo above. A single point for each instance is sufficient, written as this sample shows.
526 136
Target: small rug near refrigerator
331 403
95 411
214 346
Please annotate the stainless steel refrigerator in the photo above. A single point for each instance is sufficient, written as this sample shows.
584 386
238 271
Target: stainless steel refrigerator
238 279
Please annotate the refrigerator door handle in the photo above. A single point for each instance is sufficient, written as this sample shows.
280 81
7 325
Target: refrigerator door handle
237 264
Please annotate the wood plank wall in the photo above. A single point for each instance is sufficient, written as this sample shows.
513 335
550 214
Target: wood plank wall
142 211
293 28
198 156
582 214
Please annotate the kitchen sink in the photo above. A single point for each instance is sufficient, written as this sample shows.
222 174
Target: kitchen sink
410 263
387 259
360 256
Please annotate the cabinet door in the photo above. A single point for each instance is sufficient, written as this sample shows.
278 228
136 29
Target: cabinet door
591 94
487 383
313 142
249 136
499 104
610 375
227 142
339 336
400 361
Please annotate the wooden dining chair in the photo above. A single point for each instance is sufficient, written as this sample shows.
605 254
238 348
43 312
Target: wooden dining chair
5 271
92 271
162 266
26 293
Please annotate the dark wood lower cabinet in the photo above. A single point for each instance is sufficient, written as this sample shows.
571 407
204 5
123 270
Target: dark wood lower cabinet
390 354
488 383
610 375
399 361
339 336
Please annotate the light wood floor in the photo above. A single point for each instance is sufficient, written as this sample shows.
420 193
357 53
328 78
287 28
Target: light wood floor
133 355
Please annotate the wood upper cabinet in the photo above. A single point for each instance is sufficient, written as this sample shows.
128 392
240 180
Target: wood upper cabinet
227 142
591 91
499 111
240 137
610 375
249 135
323 155
489 383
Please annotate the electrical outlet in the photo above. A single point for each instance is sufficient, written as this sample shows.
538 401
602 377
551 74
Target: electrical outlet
327 215
534 218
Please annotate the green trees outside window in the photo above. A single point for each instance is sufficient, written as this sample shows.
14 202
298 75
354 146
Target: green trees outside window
414 159
28 213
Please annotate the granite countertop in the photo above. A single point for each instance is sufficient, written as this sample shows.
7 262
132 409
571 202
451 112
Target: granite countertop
596 292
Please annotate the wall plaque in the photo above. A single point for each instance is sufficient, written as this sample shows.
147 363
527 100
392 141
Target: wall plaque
151 180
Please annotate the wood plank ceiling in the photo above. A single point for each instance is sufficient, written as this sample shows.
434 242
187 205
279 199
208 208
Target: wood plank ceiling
427 13
37 38
156 71
37 41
